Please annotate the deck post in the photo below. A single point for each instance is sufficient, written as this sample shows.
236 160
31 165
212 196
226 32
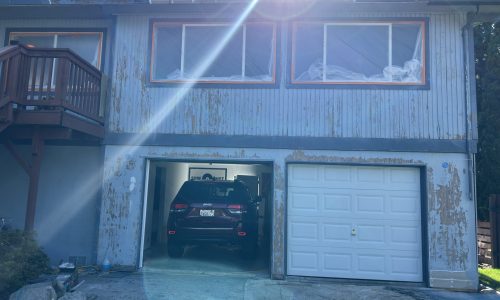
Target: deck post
57 106
34 176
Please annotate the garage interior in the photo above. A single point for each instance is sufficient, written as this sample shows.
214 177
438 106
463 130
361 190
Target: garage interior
165 180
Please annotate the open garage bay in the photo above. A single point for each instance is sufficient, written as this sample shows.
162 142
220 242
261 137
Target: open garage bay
165 181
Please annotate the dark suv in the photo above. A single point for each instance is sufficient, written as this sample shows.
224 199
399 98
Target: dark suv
205 211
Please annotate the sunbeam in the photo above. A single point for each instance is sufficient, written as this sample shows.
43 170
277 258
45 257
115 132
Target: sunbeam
170 104
64 213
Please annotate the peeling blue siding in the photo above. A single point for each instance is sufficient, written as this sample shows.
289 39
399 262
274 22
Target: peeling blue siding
436 113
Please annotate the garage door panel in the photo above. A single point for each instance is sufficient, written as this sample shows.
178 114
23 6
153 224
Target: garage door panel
303 174
354 222
340 203
406 265
304 230
337 262
361 178
404 177
359 217
369 175
356 219
321 231
304 201
337 232
394 233
371 263
356 264
371 234
328 202
337 174
405 234
404 204
304 260
373 204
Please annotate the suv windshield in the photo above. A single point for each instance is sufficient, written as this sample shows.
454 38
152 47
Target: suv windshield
209 191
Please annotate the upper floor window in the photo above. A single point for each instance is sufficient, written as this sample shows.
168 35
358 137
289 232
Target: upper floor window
213 53
358 53
88 45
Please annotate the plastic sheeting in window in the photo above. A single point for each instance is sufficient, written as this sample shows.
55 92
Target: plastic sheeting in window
247 56
359 53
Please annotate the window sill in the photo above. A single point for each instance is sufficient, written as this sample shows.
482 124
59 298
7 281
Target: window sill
214 84
359 85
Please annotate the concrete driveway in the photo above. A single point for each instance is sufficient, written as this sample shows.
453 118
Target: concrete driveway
166 284
219 273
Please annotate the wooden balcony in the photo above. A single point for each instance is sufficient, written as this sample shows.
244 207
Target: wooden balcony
53 90
46 95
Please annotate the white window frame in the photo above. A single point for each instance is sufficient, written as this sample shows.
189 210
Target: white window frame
390 50
56 35
154 52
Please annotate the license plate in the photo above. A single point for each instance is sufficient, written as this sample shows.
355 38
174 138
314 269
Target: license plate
207 212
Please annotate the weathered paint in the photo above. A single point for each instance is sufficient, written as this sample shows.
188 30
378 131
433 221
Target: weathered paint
436 113
450 213
119 210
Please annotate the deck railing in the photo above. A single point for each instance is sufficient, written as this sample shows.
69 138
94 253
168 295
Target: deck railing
49 79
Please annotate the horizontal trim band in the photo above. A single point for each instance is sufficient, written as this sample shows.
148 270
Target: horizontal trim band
295 143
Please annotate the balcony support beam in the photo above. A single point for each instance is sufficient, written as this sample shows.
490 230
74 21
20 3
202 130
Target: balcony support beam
34 175
33 171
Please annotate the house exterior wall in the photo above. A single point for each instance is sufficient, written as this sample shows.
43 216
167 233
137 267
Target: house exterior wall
450 235
67 211
402 113
436 113
62 176
430 114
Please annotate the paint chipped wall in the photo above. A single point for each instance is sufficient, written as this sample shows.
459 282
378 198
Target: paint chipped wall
121 209
437 113
453 240
451 217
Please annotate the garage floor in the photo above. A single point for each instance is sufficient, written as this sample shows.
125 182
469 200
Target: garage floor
206 259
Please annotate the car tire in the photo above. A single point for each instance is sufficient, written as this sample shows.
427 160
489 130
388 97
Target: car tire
175 250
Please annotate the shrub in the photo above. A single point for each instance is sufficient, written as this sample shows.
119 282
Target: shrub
21 260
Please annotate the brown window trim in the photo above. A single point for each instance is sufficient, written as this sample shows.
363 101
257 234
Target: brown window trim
157 24
424 74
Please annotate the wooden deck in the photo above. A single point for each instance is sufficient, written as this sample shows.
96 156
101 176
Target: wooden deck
54 89
46 95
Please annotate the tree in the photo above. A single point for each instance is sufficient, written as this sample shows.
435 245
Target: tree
487 51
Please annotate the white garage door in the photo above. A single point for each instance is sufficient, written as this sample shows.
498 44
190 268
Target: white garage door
354 222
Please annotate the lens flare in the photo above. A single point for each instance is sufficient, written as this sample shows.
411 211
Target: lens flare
90 189
283 10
